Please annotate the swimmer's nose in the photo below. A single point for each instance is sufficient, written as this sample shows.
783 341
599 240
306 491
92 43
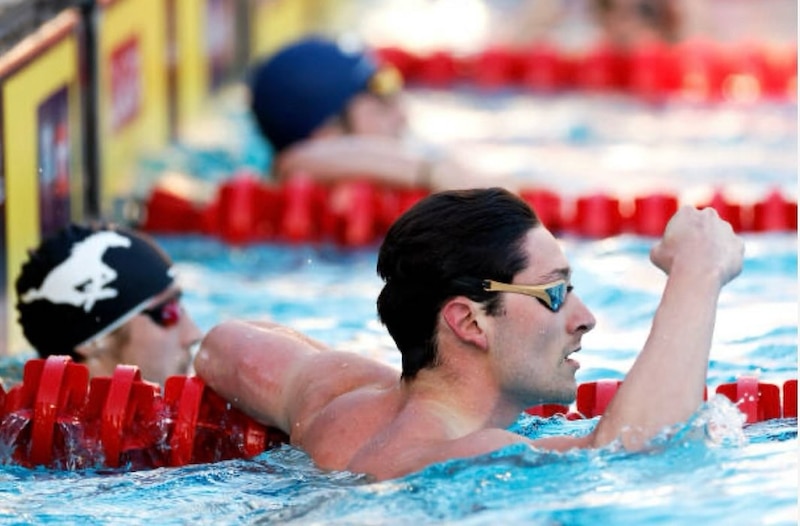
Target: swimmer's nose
581 318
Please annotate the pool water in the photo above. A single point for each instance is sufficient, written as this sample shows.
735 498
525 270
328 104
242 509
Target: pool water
712 470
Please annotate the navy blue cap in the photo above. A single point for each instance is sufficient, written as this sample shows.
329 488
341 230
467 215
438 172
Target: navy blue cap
303 85
84 282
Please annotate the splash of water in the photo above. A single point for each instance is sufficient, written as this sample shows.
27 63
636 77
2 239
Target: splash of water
10 429
717 423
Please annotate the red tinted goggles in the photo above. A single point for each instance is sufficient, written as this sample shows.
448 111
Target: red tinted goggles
167 313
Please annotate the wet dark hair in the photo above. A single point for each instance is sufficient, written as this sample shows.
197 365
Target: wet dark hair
442 247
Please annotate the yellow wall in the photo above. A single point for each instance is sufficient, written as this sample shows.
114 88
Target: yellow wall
192 67
119 23
274 22
23 91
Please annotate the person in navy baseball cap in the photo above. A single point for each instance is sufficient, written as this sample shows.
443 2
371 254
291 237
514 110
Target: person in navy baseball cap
105 295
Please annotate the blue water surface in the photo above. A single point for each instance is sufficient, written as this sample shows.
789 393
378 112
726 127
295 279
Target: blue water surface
712 470
694 478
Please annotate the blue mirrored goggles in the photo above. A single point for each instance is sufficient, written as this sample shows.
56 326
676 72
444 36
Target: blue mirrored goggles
552 295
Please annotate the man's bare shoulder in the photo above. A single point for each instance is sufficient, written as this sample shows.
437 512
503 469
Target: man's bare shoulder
327 376
348 370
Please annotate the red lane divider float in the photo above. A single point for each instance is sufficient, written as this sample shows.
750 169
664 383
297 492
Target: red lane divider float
597 216
357 212
651 213
790 399
57 402
759 401
57 418
695 69
593 397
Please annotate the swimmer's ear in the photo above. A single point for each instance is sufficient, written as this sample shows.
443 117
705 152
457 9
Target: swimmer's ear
465 320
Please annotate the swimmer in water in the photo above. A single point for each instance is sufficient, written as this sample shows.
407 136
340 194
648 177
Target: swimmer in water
105 296
478 298
332 113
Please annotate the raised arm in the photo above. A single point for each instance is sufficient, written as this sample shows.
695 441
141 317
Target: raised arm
700 253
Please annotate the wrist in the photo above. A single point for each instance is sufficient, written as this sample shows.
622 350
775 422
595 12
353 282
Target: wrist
709 275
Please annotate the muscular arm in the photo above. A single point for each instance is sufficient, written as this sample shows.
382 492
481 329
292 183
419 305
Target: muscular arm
665 385
277 375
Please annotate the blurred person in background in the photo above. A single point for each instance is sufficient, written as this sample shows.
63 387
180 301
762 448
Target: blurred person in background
627 23
105 295
332 112
576 24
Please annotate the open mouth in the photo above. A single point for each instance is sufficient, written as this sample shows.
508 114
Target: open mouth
570 360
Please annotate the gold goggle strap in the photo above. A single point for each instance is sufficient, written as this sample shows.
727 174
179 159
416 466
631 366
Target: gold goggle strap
537 291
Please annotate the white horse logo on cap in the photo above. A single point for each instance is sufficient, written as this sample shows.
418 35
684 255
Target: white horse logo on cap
81 279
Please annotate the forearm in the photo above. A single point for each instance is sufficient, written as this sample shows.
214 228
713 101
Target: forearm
385 160
335 159
666 383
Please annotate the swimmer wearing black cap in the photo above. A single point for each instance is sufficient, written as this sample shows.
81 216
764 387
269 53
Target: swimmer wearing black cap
334 112
105 295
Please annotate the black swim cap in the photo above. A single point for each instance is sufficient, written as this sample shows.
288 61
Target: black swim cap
84 282
303 85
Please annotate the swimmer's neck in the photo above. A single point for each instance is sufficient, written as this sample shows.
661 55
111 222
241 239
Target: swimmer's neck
467 403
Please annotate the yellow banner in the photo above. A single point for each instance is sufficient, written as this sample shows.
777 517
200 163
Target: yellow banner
132 91
190 68
205 35
275 22
41 116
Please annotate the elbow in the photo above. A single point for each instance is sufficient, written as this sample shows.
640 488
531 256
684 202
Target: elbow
203 363
209 363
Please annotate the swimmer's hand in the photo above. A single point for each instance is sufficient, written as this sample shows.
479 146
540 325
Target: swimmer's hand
698 241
